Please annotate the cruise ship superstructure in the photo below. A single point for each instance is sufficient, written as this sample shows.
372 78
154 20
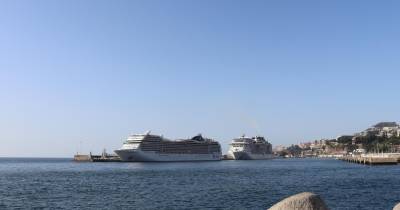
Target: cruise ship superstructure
149 147
250 148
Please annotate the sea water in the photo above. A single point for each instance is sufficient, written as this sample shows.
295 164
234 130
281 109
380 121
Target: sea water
64 184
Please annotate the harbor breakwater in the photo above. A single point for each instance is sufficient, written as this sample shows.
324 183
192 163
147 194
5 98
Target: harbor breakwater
374 159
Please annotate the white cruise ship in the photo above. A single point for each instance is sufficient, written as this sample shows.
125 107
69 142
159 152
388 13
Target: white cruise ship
149 147
246 148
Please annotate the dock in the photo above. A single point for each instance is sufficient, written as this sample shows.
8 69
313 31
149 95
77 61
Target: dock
104 157
373 159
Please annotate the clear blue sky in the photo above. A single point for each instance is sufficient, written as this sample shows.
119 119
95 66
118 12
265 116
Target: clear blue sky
96 71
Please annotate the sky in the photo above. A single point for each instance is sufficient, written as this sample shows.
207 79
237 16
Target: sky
80 76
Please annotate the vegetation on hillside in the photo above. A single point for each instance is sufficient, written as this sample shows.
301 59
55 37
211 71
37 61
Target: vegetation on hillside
373 143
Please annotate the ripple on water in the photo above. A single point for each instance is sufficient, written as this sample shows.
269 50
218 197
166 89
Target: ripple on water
63 184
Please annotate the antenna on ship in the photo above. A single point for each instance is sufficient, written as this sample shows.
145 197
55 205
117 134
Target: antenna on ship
79 148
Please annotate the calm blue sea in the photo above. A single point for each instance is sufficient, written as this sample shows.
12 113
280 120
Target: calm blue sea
63 184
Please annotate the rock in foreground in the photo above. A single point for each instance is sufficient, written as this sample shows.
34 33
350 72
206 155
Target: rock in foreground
397 207
301 201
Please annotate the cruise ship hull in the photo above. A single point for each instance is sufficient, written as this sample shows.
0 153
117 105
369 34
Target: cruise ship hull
249 156
150 156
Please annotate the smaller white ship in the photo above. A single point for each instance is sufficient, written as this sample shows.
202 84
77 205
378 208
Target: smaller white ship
250 148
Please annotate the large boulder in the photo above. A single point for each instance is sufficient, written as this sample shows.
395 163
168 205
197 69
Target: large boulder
397 207
301 201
